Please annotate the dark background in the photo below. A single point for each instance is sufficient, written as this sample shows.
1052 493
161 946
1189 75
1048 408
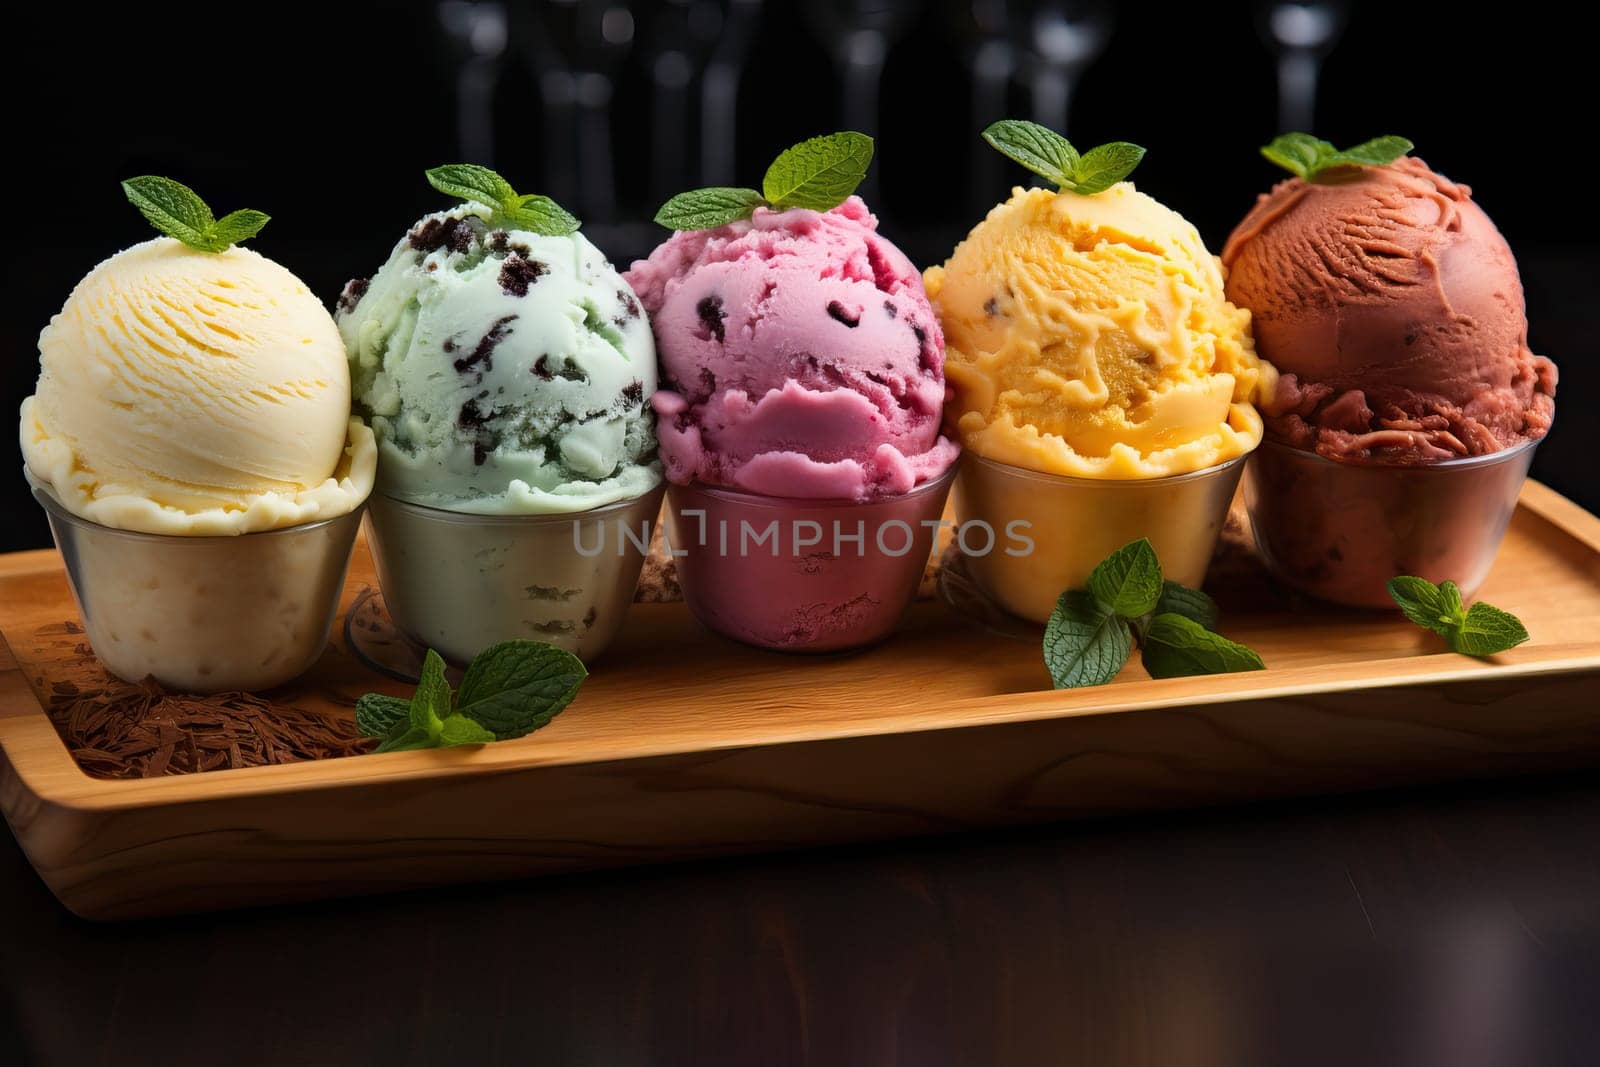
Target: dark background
326 117
1456 927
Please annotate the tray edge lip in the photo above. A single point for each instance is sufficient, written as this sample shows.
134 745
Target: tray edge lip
119 795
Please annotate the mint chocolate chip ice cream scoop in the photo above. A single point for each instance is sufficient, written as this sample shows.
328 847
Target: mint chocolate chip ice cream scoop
503 371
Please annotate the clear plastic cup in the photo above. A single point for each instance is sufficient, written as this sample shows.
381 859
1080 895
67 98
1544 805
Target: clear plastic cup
799 575
1339 531
459 583
205 614
1050 531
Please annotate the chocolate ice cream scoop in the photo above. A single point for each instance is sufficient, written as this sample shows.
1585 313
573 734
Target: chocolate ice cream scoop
1393 310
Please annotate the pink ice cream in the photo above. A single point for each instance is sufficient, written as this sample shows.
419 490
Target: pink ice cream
799 357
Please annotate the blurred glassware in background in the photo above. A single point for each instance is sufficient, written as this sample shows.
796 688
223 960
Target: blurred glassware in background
719 94
1062 40
678 41
979 27
859 34
1300 36
578 47
478 32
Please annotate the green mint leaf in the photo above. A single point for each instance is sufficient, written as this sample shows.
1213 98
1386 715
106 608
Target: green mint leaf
1308 156
430 704
171 207
1104 166
1299 153
1128 582
1176 647
178 212
1428 605
1452 600
1487 630
516 687
1190 603
377 714
528 211
460 730
703 209
468 181
237 226
1084 644
408 740
539 214
820 173
1038 148
1481 630
1374 153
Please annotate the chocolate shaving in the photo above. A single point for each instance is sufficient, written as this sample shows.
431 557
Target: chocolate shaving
354 290
517 273
431 235
712 317
118 729
484 353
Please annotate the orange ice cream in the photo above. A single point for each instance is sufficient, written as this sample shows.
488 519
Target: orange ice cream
1090 336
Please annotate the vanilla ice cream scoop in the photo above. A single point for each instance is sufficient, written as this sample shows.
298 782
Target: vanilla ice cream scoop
195 393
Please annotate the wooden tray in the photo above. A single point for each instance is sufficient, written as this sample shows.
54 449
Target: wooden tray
685 745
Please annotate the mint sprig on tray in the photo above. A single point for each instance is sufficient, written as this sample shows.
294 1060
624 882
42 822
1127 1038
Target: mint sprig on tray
1053 158
819 174
1311 157
509 690
508 208
1092 631
1481 630
178 212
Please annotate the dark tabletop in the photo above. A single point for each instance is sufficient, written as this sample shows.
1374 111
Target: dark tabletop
1456 927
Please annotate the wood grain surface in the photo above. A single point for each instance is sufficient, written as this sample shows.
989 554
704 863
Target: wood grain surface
683 744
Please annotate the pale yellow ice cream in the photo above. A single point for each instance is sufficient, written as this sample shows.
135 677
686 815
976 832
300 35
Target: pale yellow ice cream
196 393
1090 336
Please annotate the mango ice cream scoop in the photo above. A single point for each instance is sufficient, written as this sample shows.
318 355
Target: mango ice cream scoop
1101 384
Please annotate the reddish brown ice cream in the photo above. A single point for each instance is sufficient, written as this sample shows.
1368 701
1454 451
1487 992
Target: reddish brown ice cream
1393 311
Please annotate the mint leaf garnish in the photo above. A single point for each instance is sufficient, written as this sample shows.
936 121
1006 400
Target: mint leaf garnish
820 173
1487 630
1104 166
1128 582
1310 157
509 690
1298 153
1053 158
1173 646
530 211
1092 631
377 714
1481 630
237 226
408 739
431 702
1190 603
1038 148
1084 644
1378 152
703 209
178 212
515 687
540 214
1427 604
460 730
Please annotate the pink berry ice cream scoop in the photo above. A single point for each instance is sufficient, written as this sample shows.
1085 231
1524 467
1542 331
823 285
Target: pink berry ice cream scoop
802 390
799 357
